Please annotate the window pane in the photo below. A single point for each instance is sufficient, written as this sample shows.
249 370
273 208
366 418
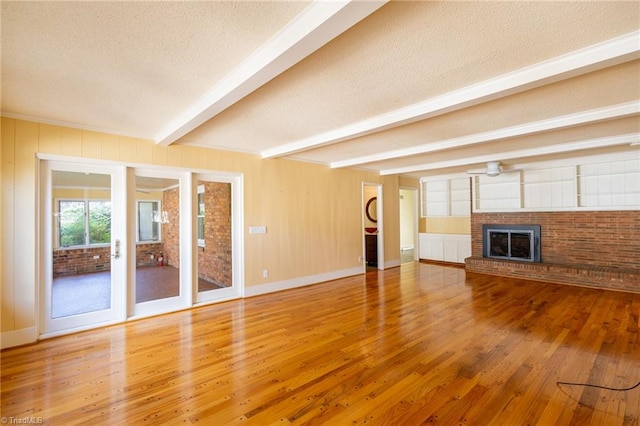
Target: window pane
201 216
201 204
147 227
201 228
71 223
99 222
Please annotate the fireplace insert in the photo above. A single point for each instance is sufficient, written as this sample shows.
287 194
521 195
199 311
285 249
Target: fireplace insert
512 242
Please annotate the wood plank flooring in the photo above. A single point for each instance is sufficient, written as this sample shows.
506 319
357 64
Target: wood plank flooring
416 344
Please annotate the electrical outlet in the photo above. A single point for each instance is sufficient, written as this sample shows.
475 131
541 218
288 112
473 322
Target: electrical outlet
265 273
152 256
97 256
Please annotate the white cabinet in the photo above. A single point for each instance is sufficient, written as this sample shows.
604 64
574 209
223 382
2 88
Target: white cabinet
445 247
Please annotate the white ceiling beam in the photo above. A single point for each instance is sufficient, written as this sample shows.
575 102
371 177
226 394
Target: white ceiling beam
556 123
318 24
602 55
609 141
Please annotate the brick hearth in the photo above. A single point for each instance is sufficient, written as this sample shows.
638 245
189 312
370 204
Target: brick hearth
596 249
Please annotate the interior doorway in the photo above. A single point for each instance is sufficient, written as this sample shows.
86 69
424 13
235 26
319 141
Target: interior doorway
408 225
372 220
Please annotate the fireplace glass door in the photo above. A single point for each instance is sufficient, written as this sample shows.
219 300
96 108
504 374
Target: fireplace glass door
511 245
503 242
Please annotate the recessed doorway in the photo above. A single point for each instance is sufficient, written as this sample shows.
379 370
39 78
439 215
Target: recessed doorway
408 198
372 224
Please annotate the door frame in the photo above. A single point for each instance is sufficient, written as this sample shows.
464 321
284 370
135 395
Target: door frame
48 326
237 238
416 220
379 223
184 297
126 196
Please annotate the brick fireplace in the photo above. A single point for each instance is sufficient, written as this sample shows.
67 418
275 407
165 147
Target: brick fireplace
595 248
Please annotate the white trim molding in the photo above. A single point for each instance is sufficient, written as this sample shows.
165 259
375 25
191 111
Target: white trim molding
556 123
599 56
19 337
604 142
273 287
318 24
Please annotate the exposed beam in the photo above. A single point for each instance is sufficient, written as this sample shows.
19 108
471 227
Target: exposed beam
555 123
318 24
625 139
602 55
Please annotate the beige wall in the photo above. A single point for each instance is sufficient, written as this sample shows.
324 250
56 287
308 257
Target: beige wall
369 193
446 225
312 213
407 218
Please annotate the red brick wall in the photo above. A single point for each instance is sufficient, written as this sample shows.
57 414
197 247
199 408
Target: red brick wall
171 230
144 252
214 259
81 260
595 238
595 248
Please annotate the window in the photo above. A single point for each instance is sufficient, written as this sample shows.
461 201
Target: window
448 197
613 184
201 215
435 198
549 189
600 184
498 193
84 222
148 228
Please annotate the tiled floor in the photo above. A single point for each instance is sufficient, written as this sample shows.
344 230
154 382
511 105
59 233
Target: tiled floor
406 256
78 294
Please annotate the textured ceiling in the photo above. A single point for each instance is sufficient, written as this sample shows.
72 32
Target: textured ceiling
417 88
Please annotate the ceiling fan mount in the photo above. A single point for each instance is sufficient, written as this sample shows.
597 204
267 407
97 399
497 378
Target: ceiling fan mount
493 169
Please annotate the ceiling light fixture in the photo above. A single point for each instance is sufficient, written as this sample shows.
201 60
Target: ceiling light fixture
161 217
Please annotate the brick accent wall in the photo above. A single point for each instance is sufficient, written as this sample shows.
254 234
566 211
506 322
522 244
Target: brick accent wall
144 252
171 230
595 248
214 259
81 261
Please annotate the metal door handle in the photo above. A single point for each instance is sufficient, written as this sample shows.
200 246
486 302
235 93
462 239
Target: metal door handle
117 253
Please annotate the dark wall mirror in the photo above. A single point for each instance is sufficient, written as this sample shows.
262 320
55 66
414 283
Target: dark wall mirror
371 210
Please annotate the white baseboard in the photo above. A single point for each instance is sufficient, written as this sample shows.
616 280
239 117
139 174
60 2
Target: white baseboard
18 337
300 282
392 264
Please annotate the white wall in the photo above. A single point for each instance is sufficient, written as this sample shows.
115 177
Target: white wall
407 218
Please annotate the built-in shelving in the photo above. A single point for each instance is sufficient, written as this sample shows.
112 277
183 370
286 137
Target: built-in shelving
604 185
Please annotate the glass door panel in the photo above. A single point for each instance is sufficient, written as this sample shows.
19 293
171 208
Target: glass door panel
214 236
82 247
158 263
214 218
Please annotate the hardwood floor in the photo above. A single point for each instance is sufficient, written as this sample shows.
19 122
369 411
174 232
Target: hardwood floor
416 344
